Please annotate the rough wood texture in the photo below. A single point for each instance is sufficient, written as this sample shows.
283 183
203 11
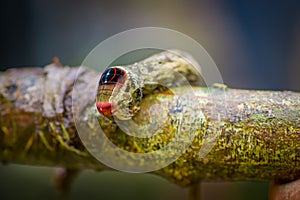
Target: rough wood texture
259 137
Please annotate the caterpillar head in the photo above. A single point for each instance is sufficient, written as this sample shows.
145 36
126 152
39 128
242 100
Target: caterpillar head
118 94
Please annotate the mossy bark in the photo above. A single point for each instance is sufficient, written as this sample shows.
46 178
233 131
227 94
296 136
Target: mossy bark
258 132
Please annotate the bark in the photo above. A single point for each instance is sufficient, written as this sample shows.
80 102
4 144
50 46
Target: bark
258 132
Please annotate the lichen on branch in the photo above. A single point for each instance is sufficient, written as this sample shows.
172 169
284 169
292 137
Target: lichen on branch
258 133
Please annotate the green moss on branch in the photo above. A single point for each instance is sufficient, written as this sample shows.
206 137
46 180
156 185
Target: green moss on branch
258 135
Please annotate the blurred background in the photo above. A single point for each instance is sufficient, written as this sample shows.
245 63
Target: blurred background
255 44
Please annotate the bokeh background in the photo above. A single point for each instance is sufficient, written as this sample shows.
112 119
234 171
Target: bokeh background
255 44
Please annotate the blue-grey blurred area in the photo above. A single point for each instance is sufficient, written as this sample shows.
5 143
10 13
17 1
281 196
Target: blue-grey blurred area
255 44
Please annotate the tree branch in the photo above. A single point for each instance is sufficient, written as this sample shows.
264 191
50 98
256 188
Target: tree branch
258 133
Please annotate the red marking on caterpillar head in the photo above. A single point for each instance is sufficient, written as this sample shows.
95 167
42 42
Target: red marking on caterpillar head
104 108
